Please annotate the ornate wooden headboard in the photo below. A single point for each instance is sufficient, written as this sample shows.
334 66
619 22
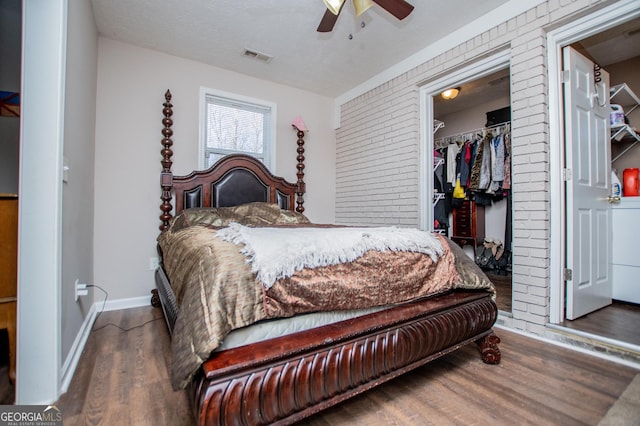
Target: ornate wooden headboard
232 180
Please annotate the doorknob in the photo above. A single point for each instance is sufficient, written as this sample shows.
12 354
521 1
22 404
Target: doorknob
613 200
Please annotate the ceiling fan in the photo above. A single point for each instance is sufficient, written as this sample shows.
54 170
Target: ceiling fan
398 8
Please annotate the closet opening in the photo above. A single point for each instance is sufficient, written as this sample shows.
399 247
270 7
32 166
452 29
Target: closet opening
472 200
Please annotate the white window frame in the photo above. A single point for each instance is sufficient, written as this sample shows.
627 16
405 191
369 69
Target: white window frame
269 142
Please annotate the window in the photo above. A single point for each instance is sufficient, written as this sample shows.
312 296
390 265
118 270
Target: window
232 124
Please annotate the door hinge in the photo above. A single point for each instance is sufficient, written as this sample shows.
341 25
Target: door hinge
565 75
567 174
567 274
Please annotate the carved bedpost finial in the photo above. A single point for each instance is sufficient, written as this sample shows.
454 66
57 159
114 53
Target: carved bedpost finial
301 127
166 177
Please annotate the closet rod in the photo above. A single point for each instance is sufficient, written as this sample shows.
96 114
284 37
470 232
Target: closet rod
444 141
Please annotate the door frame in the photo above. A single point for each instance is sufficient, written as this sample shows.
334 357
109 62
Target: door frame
471 71
594 23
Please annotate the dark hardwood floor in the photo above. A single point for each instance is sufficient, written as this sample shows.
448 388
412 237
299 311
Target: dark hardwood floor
619 321
503 287
122 378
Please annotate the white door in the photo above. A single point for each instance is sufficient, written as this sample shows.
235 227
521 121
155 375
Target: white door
588 169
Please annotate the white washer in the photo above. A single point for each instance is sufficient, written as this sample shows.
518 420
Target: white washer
626 249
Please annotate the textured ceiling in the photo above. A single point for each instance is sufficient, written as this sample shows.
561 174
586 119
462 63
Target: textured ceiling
614 45
217 32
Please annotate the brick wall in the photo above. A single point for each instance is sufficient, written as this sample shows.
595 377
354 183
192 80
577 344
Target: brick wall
377 157
377 150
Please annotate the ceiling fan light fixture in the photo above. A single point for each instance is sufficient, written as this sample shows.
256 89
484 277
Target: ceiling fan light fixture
361 6
334 6
398 8
450 93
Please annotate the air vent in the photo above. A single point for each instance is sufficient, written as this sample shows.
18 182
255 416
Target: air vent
257 55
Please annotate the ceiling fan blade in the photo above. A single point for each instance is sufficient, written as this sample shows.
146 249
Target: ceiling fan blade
329 20
398 8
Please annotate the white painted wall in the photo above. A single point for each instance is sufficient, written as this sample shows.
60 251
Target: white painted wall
131 86
77 192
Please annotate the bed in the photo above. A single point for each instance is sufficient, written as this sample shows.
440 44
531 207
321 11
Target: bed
315 347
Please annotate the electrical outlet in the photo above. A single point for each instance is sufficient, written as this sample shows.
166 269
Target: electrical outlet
80 289
154 262
65 170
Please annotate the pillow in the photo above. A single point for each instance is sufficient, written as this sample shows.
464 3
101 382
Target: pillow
255 214
261 214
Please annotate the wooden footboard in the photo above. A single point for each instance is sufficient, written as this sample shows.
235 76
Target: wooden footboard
281 381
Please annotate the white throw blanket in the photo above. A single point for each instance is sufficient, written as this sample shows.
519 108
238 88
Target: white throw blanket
279 252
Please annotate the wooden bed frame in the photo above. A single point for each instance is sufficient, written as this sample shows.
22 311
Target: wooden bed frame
285 379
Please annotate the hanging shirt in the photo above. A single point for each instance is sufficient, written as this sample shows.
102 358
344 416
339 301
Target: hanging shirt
497 164
452 152
506 183
485 167
476 164
464 168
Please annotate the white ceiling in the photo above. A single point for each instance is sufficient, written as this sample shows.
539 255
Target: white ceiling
217 32
474 93
614 45
608 47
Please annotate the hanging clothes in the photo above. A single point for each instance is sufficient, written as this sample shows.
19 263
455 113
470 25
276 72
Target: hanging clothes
452 152
497 164
440 212
506 183
480 170
438 172
448 187
485 166
476 165
464 164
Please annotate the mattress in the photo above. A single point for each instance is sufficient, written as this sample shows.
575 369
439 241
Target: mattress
263 330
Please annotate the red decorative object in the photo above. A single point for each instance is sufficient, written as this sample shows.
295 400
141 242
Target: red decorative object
630 182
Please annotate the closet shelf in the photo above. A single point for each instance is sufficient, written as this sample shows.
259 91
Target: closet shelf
625 97
624 133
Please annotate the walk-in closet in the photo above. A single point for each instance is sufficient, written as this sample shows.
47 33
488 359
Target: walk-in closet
472 175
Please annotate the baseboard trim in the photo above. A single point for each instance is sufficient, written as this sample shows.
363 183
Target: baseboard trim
133 302
71 362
